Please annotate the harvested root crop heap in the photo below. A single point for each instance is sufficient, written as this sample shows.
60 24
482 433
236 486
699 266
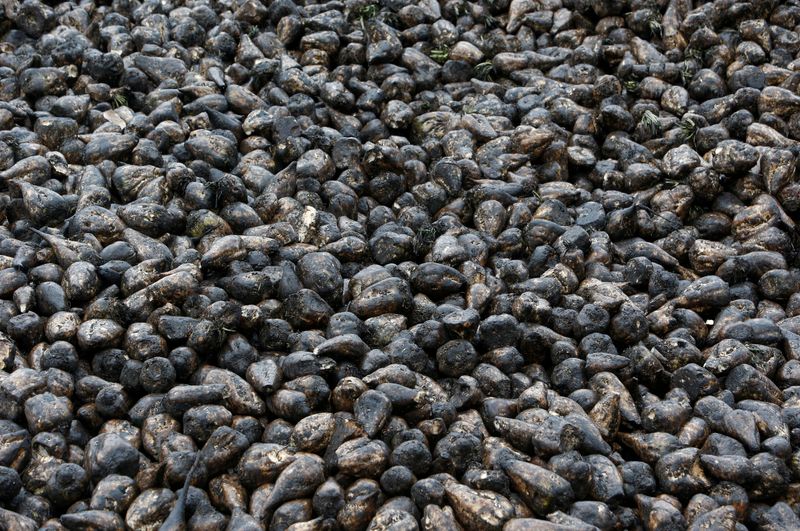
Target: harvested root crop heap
480 265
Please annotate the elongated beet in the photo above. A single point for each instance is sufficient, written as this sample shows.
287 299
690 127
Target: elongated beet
299 479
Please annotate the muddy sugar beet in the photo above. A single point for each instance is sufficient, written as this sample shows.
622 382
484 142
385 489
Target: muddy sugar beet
416 266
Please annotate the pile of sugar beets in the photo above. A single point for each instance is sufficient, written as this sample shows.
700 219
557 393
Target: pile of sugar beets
408 265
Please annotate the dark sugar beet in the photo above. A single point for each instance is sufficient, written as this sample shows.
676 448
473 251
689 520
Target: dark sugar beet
356 265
